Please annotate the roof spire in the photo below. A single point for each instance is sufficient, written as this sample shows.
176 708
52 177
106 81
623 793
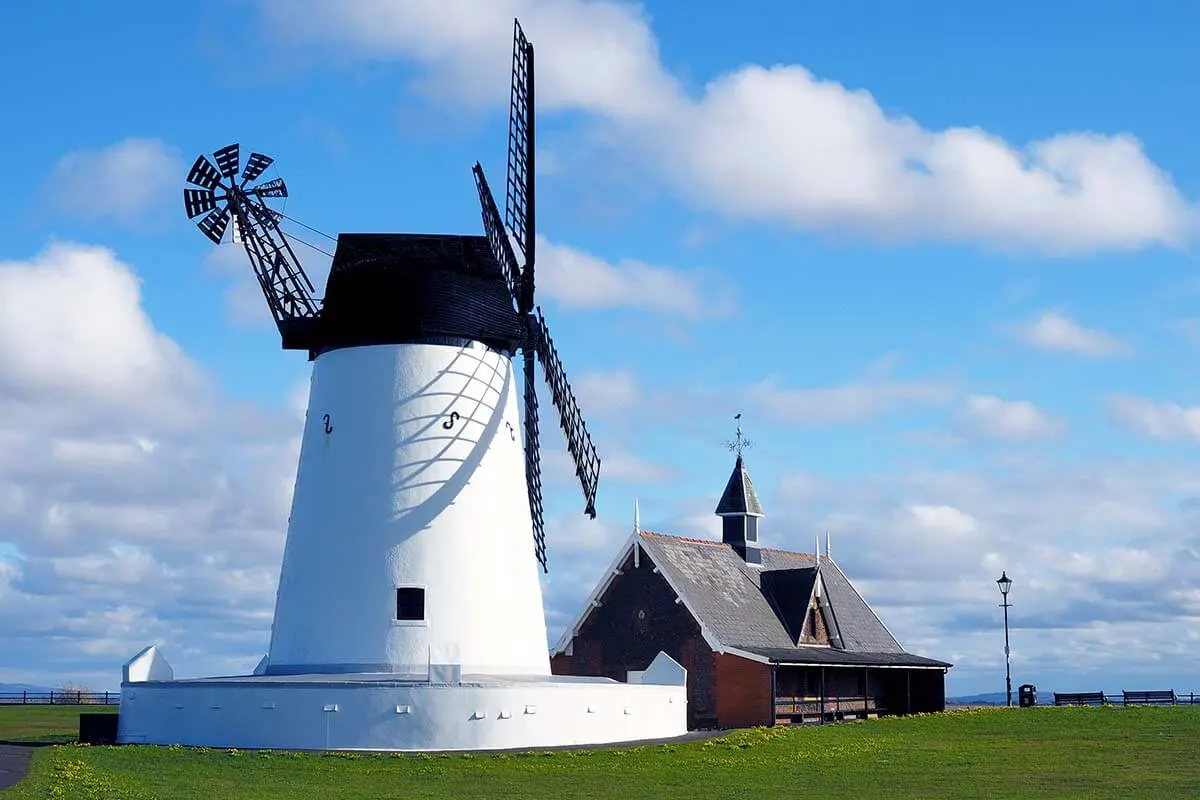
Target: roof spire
827 556
738 507
637 518
740 442
817 550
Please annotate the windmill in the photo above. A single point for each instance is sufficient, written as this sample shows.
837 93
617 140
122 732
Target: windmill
430 325
409 613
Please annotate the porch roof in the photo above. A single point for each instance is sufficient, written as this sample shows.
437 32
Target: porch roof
829 657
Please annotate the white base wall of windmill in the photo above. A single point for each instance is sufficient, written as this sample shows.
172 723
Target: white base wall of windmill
411 476
375 712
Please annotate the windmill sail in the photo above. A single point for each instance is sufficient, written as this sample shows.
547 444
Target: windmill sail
519 198
579 441
533 464
493 225
226 200
519 222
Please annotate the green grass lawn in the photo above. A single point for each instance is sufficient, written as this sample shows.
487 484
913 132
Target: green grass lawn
43 723
997 753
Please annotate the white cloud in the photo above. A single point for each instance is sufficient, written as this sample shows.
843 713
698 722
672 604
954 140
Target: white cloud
772 143
629 468
837 405
996 418
619 393
780 143
1166 421
616 466
608 392
580 280
126 515
71 322
943 519
244 301
1102 553
119 182
1104 556
604 58
1056 332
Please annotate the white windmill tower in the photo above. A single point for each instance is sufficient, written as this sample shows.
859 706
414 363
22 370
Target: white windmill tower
409 575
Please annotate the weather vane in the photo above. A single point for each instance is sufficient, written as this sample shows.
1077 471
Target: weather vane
740 443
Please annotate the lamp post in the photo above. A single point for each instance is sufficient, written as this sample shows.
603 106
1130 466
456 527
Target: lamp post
1005 583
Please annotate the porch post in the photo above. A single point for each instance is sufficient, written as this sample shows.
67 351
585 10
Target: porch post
822 695
774 693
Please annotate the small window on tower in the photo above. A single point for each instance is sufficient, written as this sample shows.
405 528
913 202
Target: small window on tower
410 604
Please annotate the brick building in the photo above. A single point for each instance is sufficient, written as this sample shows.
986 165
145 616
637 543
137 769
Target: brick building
767 636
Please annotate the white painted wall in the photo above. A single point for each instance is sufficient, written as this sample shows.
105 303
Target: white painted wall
148 665
391 498
349 716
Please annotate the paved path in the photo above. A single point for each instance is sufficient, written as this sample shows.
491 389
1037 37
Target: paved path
14 763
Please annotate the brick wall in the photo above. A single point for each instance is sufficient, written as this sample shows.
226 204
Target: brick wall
637 618
744 695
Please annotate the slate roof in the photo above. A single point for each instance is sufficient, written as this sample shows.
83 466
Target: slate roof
739 496
726 596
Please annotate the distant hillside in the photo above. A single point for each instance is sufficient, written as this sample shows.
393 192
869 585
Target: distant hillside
17 688
986 699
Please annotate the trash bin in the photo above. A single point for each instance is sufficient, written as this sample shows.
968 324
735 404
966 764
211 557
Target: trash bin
1027 695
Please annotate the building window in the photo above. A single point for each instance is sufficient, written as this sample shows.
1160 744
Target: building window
751 529
410 604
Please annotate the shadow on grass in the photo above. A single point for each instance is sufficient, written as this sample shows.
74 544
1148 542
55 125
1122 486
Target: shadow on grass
40 741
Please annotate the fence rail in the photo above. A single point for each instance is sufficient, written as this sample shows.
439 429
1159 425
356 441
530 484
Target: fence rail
1047 699
61 697
1181 698
70 697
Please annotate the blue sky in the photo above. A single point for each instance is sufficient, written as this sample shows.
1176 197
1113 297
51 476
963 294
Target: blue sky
943 261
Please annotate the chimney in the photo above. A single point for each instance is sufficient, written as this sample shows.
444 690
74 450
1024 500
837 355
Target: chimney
740 511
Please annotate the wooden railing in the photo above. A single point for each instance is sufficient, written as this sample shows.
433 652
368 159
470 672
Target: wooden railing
808 708
61 697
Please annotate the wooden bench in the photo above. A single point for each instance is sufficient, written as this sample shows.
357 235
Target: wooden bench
1166 698
1079 699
